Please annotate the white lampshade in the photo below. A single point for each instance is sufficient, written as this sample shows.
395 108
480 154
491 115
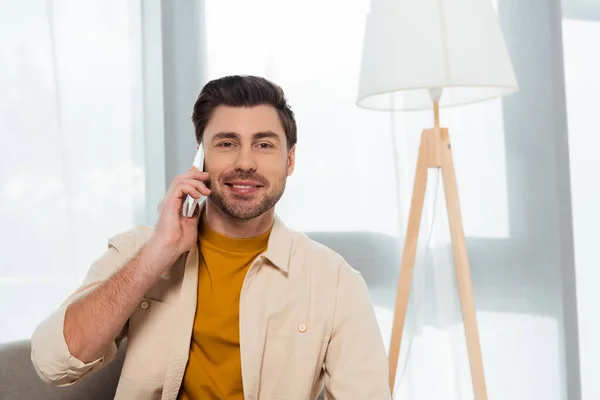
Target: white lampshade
414 45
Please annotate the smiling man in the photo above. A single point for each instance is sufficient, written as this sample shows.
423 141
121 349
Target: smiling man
230 303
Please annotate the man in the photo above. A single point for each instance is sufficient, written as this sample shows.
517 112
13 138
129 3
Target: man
227 304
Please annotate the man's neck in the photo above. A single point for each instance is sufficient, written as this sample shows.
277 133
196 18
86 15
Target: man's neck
229 226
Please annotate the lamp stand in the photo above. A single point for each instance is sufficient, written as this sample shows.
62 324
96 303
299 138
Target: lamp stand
435 152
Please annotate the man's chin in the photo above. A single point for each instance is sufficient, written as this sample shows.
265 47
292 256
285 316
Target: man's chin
242 209
243 215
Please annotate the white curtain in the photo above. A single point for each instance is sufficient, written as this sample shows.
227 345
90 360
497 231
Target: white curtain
581 25
67 179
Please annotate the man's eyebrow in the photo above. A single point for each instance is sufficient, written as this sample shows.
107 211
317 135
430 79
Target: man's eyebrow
225 135
265 135
255 136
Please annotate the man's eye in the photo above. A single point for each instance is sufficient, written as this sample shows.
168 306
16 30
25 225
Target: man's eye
225 144
265 145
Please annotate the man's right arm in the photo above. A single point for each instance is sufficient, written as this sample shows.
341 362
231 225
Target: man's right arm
94 320
80 336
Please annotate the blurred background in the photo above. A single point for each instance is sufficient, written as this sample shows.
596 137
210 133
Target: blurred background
95 107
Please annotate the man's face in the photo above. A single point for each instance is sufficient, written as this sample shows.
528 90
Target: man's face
247 159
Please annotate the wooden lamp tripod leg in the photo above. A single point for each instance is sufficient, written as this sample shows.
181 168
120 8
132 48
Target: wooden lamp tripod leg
463 273
408 257
435 152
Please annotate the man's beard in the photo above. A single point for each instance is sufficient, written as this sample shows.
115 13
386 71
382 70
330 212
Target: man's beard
245 208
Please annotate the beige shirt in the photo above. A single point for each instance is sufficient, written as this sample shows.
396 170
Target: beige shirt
305 321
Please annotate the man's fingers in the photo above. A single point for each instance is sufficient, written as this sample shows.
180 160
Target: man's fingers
194 173
204 190
200 186
183 189
191 183
191 174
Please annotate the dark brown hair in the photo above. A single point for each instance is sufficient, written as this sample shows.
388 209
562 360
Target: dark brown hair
242 91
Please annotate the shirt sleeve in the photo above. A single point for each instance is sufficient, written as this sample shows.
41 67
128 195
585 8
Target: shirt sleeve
51 357
50 353
355 363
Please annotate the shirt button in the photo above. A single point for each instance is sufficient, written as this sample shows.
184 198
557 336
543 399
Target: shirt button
302 328
144 305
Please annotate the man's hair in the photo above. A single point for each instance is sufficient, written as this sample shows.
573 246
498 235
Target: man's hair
242 91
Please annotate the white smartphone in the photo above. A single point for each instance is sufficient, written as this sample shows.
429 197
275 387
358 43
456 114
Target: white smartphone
189 205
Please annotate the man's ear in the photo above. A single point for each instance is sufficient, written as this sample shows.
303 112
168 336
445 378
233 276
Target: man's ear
291 160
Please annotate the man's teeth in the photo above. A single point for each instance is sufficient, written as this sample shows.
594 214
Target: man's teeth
243 186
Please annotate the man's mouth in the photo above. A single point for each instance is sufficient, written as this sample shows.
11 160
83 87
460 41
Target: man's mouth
243 187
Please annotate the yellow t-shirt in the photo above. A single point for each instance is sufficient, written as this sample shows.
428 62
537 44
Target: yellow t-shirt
214 369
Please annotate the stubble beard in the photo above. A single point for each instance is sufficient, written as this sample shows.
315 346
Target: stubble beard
244 208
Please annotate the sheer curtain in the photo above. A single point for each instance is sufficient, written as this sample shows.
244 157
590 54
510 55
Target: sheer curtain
355 170
67 177
581 27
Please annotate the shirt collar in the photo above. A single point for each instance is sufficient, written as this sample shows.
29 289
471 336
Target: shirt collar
279 246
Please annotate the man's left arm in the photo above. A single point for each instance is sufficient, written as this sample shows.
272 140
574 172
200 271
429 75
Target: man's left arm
355 363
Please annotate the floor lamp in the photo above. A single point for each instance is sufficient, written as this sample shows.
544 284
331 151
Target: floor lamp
413 52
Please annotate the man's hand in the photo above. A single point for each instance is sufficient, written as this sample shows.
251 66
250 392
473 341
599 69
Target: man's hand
175 233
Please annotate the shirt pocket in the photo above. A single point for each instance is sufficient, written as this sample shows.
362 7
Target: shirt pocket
148 341
292 359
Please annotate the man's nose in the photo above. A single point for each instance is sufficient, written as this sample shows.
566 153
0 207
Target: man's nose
245 160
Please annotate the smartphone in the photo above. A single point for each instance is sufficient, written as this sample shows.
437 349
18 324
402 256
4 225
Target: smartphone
190 204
